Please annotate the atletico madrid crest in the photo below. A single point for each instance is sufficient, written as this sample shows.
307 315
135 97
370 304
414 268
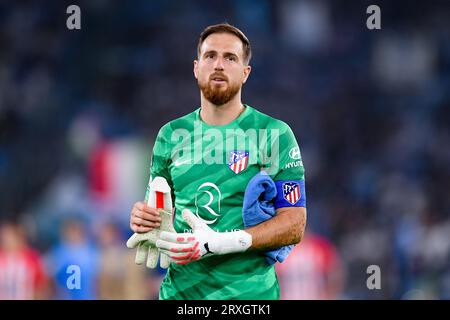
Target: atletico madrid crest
238 160
291 192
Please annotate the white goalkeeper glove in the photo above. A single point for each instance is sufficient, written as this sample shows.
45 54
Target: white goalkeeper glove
202 242
159 198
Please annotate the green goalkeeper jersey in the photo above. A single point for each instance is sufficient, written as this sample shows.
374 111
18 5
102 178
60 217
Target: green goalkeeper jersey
208 168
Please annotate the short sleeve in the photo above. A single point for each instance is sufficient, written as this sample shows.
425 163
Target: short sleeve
288 171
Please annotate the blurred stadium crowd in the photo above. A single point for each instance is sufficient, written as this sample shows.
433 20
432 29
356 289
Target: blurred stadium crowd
371 109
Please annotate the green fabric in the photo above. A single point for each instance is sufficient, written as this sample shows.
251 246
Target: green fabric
194 158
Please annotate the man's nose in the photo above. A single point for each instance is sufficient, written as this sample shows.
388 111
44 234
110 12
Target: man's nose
219 64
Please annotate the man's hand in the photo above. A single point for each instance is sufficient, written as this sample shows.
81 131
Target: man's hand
146 242
144 218
203 241
148 220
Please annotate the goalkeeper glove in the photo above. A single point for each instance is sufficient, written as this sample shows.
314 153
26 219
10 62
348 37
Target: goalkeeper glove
202 242
159 197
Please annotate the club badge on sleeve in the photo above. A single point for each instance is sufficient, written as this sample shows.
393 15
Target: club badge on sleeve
291 192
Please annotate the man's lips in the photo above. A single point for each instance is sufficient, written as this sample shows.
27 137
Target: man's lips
218 79
218 82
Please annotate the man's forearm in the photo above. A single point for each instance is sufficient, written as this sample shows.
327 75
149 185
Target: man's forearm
285 228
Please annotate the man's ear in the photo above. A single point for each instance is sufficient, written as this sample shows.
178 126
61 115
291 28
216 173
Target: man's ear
196 69
247 71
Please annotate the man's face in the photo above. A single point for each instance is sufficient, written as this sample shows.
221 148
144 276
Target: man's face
220 70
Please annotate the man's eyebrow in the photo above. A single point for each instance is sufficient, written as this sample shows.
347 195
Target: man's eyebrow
225 54
209 51
229 54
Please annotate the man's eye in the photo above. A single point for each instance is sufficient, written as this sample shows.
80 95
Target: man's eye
232 58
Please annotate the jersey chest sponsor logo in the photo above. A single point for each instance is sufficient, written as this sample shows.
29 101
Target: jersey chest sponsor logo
238 160
214 198
291 192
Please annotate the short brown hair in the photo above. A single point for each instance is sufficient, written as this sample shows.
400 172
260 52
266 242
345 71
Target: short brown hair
227 28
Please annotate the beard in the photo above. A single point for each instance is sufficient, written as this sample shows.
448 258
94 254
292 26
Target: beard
217 95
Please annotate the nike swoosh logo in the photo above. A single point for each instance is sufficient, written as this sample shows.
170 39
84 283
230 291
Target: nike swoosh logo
179 163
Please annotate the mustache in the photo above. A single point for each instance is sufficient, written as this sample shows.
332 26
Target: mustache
218 75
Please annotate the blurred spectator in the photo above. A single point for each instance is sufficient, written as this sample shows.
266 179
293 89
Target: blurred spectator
22 275
74 250
119 277
312 271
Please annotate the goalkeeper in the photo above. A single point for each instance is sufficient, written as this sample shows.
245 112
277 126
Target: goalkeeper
212 255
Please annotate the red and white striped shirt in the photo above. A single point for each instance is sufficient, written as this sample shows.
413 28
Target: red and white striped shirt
21 274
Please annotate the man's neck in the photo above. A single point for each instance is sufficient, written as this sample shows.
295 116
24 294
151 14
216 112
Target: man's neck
221 115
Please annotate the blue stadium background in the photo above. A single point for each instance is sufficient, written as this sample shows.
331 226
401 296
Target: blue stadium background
371 111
